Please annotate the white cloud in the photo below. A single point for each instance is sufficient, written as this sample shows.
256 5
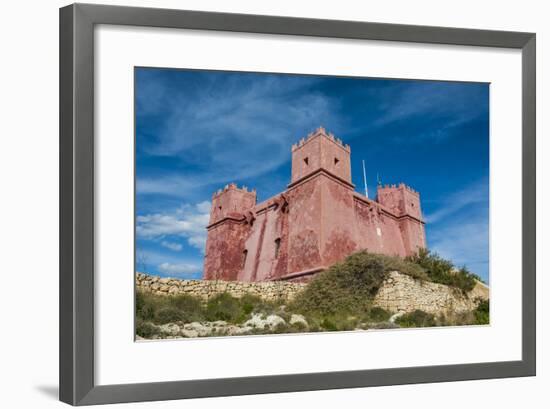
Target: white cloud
179 269
477 192
464 243
188 221
459 229
212 127
426 99
170 245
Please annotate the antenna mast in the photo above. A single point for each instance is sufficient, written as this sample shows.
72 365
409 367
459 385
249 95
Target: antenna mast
365 179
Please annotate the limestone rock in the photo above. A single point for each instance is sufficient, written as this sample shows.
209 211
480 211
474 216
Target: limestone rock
273 320
298 319
396 316
256 321
202 329
171 329
205 289
189 333
400 292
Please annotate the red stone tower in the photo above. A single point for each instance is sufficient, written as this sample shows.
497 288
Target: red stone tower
319 220
226 233
320 204
404 202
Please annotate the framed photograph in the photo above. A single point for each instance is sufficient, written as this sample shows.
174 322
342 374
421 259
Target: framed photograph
259 204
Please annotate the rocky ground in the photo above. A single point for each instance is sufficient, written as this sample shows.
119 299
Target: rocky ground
257 324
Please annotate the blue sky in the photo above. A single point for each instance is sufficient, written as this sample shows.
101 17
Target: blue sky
199 130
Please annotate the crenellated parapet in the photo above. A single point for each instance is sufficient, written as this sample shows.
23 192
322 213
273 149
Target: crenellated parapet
321 152
233 187
387 187
321 132
231 202
401 199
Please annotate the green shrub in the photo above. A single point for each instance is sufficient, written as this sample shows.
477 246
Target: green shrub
349 286
190 307
455 319
417 318
344 287
377 314
328 324
396 263
146 305
168 314
339 322
224 307
146 329
251 303
481 313
163 309
443 271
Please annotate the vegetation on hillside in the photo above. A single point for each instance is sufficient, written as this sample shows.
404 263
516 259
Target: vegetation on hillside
153 310
340 298
417 318
439 270
481 313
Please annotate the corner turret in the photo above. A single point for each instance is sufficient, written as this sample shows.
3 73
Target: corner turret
401 199
231 202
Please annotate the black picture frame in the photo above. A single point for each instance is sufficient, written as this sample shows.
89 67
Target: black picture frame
77 21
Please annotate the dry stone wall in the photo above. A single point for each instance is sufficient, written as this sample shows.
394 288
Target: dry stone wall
267 290
401 292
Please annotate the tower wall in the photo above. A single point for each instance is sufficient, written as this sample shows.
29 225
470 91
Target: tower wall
376 231
304 228
337 220
224 252
335 158
414 236
267 245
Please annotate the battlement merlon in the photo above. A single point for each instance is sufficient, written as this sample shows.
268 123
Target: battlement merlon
324 133
233 187
403 186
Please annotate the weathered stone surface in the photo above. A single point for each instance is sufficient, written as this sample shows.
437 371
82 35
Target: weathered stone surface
202 329
402 293
298 319
273 321
258 321
171 329
267 290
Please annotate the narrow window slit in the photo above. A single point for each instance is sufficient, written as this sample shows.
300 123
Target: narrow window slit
245 254
277 247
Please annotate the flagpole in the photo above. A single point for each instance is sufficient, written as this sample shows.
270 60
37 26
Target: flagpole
365 179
